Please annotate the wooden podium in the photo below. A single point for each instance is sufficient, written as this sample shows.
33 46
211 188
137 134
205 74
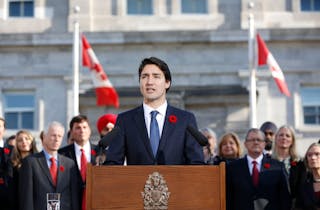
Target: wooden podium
190 187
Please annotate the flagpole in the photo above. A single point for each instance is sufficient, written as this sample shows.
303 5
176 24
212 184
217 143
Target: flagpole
76 63
252 69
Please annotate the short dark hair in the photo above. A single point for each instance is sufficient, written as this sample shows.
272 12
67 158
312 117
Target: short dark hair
78 119
158 62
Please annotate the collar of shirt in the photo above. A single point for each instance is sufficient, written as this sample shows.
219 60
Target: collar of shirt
1 143
87 152
48 156
258 160
160 116
287 163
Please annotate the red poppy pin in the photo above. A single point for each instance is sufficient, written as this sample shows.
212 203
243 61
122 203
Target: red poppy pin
173 119
1 181
93 152
6 151
293 163
266 165
61 168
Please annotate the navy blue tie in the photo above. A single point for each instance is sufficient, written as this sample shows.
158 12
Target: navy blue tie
154 132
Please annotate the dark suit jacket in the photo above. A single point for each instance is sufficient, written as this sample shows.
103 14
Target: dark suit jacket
69 152
176 146
273 186
306 199
296 170
35 182
7 191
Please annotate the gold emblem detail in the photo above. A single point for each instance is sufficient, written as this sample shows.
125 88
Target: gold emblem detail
156 194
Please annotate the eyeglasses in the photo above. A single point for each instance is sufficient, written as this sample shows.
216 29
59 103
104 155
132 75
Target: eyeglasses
311 154
255 140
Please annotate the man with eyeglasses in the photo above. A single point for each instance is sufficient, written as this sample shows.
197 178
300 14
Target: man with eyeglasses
269 129
256 181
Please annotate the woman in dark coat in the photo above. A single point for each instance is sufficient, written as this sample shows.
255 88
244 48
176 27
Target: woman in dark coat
229 149
308 191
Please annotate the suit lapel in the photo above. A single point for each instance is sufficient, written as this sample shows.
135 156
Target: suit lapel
72 154
248 176
167 130
93 154
142 130
44 166
61 172
264 165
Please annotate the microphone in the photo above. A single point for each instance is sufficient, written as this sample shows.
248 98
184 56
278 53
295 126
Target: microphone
105 140
104 143
201 139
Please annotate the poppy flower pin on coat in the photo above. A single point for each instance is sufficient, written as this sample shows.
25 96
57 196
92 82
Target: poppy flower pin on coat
93 152
173 118
6 151
266 165
293 163
61 168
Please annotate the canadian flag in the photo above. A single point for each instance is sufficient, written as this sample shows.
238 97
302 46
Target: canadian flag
105 92
265 57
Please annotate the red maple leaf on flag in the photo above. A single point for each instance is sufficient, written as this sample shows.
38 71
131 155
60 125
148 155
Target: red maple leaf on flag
105 92
265 57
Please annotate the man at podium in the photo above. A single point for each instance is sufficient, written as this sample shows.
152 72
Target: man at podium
154 133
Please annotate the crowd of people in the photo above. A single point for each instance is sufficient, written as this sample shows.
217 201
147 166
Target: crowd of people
284 180
270 175
28 176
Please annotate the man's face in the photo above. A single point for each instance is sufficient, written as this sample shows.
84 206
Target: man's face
270 135
81 132
2 129
53 139
254 144
153 84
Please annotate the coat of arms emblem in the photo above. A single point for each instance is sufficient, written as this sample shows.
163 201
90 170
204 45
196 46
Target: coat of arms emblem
156 194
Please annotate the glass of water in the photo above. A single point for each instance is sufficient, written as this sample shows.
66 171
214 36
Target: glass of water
53 201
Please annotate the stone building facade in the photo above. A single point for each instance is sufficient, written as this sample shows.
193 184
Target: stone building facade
204 43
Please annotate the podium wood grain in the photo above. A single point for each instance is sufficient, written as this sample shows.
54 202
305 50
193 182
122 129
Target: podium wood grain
190 187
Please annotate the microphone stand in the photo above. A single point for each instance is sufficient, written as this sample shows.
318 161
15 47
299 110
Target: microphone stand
101 156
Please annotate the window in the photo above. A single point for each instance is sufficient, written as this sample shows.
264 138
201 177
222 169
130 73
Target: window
139 7
194 6
310 5
21 8
311 105
19 110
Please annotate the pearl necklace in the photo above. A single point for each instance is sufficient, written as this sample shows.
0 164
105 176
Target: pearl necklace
316 180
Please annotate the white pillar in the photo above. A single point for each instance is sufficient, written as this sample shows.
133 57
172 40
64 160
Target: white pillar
252 69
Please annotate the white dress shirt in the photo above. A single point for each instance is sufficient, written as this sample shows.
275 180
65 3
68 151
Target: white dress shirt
250 164
87 152
160 116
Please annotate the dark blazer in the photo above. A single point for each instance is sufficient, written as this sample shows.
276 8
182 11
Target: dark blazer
7 191
35 182
305 197
176 146
296 170
69 152
272 187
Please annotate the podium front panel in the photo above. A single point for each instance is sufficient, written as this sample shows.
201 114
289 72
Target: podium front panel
189 187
